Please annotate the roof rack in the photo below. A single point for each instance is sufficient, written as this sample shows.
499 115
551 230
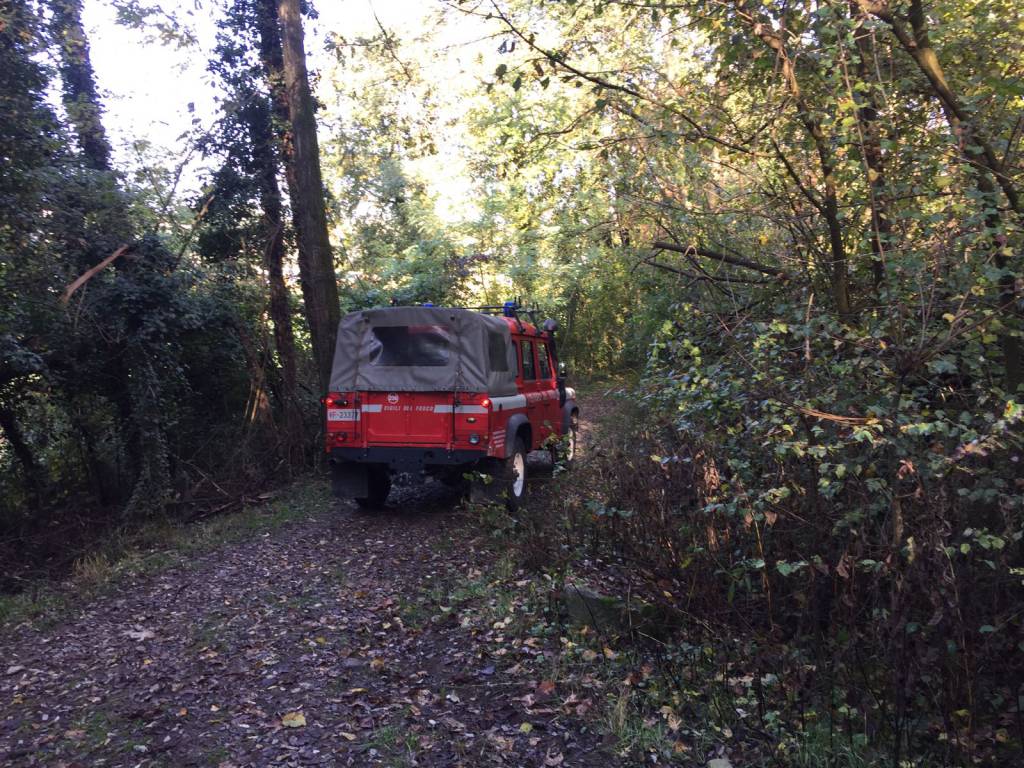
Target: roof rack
513 309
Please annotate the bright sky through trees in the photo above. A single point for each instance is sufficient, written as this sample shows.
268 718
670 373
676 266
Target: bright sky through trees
148 86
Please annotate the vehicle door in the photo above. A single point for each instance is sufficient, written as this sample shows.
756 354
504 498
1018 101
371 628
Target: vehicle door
530 386
547 390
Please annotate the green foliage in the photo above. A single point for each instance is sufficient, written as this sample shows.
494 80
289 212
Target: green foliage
120 396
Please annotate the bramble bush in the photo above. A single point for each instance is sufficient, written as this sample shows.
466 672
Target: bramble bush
848 508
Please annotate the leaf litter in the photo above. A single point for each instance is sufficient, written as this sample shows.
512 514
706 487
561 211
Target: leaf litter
343 639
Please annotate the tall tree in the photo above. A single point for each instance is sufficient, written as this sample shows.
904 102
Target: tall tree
81 99
302 156
247 186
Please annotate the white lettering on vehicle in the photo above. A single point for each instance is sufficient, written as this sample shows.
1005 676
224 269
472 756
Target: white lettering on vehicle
540 397
411 408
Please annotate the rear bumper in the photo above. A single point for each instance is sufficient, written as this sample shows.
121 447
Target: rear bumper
405 459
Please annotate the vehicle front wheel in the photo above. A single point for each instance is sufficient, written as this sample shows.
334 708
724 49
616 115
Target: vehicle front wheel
378 486
515 476
563 451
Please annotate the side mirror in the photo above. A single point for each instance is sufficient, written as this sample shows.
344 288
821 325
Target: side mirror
562 369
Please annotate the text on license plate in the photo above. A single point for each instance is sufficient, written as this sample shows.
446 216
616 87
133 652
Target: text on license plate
342 414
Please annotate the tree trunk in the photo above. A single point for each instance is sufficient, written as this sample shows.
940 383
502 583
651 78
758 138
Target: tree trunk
871 146
302 159
262 137
79 85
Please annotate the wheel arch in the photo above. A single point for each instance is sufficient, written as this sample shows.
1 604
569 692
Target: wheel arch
568 410
518 425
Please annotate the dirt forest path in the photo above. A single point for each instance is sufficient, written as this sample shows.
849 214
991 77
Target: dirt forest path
343 638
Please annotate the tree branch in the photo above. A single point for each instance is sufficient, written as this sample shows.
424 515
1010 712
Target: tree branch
559 61
89 273
736 261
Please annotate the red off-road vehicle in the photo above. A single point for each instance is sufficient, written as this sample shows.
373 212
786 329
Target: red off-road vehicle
439 391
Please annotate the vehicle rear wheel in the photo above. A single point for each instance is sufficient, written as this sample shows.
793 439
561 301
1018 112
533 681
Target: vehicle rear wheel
515 476
378 486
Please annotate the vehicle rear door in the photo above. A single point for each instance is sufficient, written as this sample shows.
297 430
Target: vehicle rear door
404 417
408 418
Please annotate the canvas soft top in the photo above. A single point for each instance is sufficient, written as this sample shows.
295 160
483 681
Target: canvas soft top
423 349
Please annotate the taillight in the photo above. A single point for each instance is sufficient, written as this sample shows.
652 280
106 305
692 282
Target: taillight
486 402
334 401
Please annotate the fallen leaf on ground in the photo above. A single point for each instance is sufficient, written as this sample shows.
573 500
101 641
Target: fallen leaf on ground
348 736
525 728
139 634
293 720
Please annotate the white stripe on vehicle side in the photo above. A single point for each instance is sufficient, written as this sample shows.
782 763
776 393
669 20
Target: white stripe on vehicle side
460 409
375 408
513 401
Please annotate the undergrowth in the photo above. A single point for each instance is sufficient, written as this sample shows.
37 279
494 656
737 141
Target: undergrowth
785 638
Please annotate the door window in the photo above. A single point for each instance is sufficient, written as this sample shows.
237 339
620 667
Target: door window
544 362
529 372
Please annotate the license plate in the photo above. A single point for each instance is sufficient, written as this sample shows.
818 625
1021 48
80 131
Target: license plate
342 414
